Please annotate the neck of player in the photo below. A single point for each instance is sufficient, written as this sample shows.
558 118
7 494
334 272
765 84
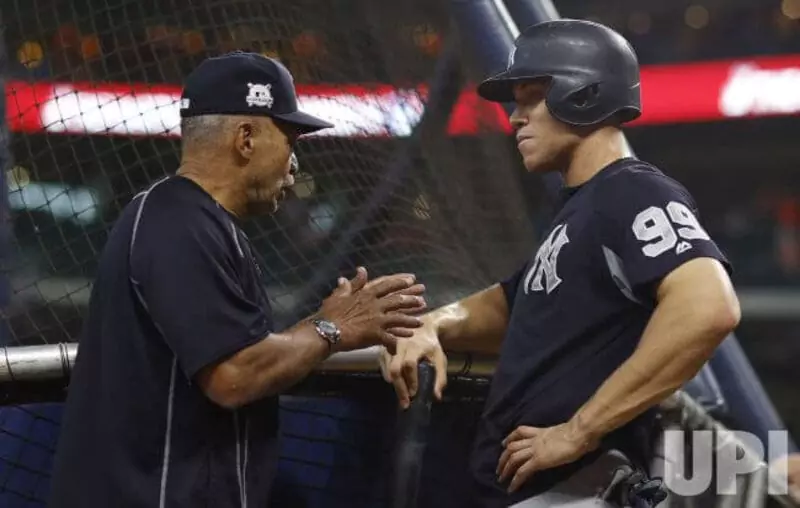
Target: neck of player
219 184
596 151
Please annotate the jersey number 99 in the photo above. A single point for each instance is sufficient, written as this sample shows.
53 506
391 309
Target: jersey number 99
663 229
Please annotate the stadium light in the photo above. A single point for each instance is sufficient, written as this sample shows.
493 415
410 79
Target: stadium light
307 44
192 42
271 53
30 54
696 16
791 9
17 178
67 36
90 47
426 39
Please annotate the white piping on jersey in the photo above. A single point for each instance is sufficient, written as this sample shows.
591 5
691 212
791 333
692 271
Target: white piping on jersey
238 454
236 240
244 467
162 496
162 499
140 210
241 470
241 465
617 270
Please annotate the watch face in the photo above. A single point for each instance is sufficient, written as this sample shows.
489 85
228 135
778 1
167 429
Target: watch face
327 328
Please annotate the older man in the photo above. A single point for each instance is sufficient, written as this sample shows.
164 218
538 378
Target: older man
173 400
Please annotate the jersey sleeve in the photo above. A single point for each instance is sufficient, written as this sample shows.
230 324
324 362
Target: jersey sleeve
510 286
189 276
650 227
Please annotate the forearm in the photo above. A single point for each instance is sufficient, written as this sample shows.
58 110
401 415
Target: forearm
268 367
681 336
287 358
475 324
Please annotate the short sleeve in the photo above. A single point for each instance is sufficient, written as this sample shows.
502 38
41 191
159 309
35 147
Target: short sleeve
651 226
510 286
190 277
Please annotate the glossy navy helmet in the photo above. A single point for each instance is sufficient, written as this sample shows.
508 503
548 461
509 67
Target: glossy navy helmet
593 72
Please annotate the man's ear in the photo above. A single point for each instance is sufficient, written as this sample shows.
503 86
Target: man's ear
244 141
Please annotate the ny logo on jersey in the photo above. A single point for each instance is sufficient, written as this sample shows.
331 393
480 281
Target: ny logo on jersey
545 266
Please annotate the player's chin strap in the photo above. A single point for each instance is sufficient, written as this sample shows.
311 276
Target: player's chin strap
631 488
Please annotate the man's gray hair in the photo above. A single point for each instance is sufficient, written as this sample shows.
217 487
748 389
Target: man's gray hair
201 129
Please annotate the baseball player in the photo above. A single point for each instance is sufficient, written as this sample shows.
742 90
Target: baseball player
623 302
173 399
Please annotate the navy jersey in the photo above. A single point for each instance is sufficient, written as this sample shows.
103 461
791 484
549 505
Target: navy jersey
177 289
579 308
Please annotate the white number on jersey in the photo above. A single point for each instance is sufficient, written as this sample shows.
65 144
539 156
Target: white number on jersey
682 216
653 226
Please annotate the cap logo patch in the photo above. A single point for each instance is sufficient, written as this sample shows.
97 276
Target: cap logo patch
259 95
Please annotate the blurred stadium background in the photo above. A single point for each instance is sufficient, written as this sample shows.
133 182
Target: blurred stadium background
91 119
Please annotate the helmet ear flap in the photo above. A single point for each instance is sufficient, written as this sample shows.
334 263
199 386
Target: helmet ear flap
586 97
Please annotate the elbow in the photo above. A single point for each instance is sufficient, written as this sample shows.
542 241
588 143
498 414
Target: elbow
730 317
225 386
704 300
729 313
723 317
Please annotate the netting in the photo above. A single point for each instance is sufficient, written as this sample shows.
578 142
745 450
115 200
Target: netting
91 88
92 102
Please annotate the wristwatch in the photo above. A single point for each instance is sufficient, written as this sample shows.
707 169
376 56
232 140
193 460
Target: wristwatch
328 331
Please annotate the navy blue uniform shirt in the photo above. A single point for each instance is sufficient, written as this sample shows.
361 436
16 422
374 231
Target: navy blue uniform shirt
578 310
177 289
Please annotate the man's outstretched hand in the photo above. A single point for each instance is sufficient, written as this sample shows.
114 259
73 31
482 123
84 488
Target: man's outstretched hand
374 312
401 368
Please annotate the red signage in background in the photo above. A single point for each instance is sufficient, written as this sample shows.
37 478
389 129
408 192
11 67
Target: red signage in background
708 91
671 94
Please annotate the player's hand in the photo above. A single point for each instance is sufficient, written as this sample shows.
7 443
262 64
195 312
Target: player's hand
793 470
400 368
374 312
531 449
790 466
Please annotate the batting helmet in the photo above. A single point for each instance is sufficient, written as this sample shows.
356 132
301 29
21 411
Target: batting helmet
593 70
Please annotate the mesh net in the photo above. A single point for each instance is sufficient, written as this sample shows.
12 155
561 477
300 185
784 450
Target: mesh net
92 93
92 89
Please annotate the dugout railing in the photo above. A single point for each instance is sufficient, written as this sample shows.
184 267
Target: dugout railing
396 472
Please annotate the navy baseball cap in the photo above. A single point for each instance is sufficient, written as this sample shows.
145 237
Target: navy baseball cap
241 83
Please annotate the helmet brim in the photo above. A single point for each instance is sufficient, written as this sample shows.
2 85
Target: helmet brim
500 87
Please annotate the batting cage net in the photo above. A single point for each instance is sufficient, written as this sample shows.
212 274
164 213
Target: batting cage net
418 175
